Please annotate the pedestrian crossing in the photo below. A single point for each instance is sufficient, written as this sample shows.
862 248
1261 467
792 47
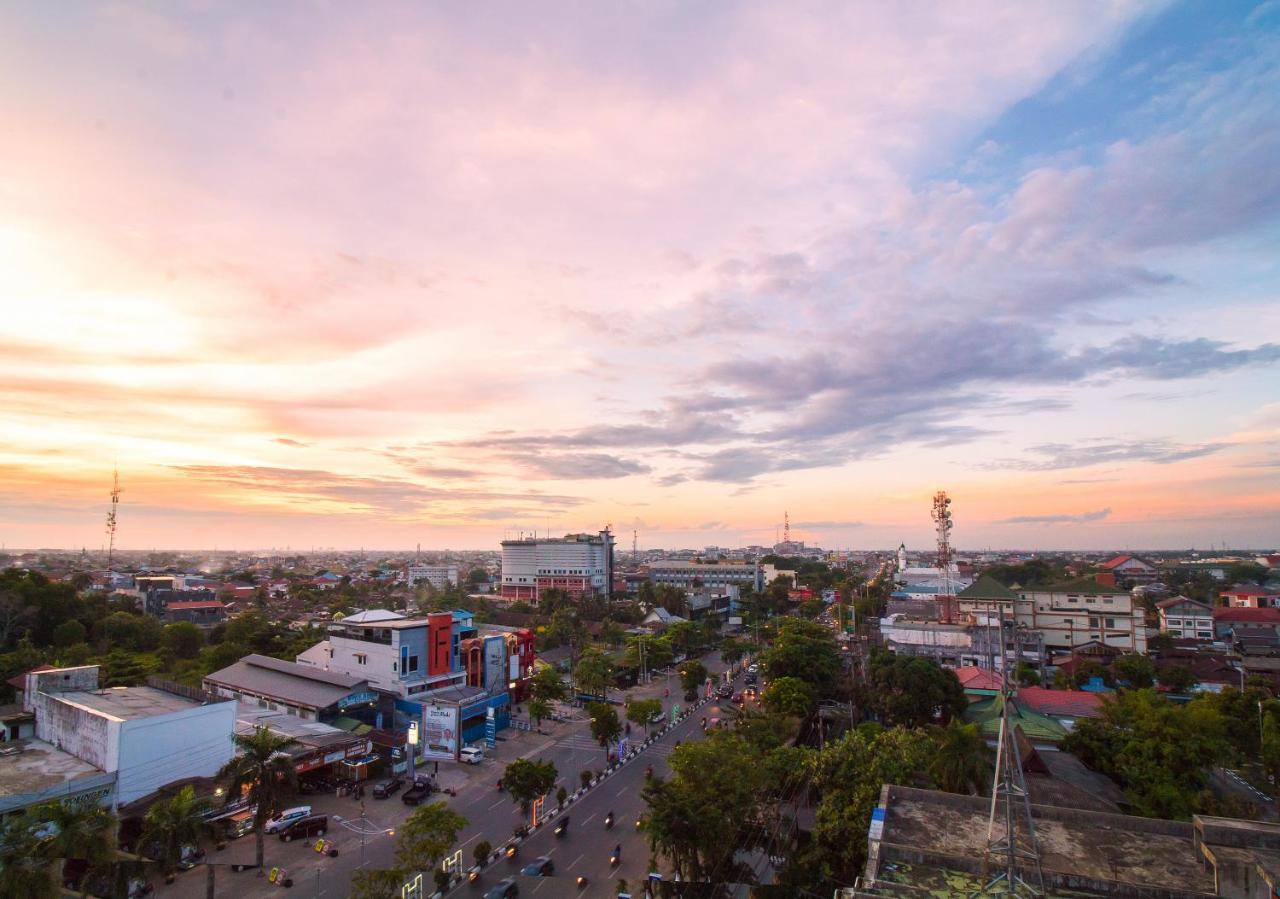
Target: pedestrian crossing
584 743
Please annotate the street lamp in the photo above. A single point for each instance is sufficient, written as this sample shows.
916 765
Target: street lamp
411 742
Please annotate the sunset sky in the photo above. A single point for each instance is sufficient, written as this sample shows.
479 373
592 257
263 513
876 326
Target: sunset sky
384 274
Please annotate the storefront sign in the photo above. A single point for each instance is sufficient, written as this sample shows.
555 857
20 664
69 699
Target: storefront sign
439 731
354 699
332 757
491 728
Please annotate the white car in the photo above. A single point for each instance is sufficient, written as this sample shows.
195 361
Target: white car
658 718
286 817
471 755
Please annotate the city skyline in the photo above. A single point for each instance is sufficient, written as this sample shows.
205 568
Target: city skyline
420 275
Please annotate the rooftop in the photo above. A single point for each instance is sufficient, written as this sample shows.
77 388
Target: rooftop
249 717
1079 585
301 685
1267 615
1182 600
37 767
196 604
128 703
1061 703
987 587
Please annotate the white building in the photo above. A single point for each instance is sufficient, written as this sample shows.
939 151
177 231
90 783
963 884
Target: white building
438 576
695 575
147 737
579 564
1186 618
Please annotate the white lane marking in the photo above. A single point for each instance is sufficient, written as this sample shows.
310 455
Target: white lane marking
498 803
468 840
620 792
541 881
588 821
576 860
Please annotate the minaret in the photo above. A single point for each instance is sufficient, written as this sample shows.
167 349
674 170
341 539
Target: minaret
902 557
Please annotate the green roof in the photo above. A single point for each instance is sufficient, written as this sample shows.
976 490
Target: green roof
986 713
1084 584
987 587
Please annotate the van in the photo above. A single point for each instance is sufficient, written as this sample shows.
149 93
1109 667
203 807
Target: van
286 817
472 755
313 826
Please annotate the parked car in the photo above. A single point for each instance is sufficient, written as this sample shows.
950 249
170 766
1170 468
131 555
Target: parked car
542 866
385 789
314 826
286 817
506 889
420 790
472 755
658 718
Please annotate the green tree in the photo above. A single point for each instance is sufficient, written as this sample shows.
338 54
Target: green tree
173 823
526 779
264 773
962 761
1026 676
1161 642
657 652
377 883
69 633
1177 678
594 673
538 710
693 674
805 650
25 872
85 832
480 854
911 691
427 835
732 650
139 633
605 726
641 711
547 685
182 639
790 696
1137 671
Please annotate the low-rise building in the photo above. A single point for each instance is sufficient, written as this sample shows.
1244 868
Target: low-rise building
302 691
1186 619
1227 620
438 576
200 612
1251 597
1131 568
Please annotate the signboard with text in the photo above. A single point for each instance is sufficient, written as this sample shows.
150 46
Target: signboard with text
439 731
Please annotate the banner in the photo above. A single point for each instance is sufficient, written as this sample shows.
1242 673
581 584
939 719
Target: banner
439 731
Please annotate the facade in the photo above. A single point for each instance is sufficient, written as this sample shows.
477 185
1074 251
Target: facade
579 564
697 575
438 576
299 691
1186 619
145 737
1226 622
1131 568
396 655
1065 614
1251 597
967 643
202 613
317 747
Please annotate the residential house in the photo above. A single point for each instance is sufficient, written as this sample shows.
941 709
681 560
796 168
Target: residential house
1251 597
1186 619
1227 620
1131 568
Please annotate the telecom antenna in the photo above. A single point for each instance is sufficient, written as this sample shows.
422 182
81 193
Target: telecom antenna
111 518
635 546
786 529
942 520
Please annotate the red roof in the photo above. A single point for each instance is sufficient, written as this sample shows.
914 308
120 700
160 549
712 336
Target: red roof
973 678
1061 703
19 682
1257 616
196 604
1118 560
1249 591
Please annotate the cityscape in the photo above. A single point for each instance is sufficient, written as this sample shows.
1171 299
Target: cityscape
637 451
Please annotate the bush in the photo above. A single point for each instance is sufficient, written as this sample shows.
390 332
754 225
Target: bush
585 777
481 852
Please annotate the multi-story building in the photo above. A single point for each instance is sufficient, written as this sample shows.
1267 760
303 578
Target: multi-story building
292 689
1186 618
696 575
1131 568
1250 597
579 564
438 576
1066 614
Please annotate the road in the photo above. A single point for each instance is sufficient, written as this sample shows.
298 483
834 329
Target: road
491 816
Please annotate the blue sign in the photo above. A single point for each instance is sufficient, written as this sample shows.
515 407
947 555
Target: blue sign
347 702
491 728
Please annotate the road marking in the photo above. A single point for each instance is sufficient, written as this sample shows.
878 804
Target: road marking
498 803
588 821
620 792
578 859
468 840
541 881
538 749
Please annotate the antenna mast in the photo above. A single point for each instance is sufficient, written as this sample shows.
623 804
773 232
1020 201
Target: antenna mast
786 529
635 546
942 519
111 518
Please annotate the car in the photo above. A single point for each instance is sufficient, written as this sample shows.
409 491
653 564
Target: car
189 856
753 669
658 718
286 817
385 789
507 888
737 698
472 755
724 691
420 790
313 826
542 866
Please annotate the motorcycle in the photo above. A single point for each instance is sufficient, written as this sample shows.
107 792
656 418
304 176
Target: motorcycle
582 881
608 821
616 857
499 784
561 826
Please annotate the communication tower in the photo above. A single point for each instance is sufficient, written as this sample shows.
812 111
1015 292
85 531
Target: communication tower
635 546
111 518
786 529
942 520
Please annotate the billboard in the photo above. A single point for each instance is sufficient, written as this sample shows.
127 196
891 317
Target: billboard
495 655
439 731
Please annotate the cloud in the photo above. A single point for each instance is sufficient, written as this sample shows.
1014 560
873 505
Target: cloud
1056 456
823 525
1082 518
578 466
288 441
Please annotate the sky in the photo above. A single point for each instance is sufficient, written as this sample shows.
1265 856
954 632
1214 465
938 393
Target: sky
315 274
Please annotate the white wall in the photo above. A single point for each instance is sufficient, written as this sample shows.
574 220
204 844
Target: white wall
155 751
380 667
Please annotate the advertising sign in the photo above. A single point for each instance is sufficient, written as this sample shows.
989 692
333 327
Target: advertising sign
495 655
347 702
439 731
491 728
514 673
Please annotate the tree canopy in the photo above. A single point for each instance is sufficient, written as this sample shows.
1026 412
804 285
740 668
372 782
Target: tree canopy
911 691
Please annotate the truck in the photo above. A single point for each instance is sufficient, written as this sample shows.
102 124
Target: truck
420 790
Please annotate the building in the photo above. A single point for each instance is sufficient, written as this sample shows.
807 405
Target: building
1186 619
579 564
438 576
926 842
200 612
1250 597
697 575
318 748
1066 614
1227 621
290 689
142 737
970 641
1131 568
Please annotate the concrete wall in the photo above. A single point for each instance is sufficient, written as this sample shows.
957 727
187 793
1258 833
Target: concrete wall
67 726
155 751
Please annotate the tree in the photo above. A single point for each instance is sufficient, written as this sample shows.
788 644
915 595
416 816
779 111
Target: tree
377 883
69 633
1137 671
962 760
480 854
657 652
911 691
562 796
1161 642
547 685
525 780
1026 676
173 823
26 871
182 639
426 835
732 650
605 726
641 711
692 674
805 650
266 772
790 696
139 633
1177 678
85 832
594 673
539 709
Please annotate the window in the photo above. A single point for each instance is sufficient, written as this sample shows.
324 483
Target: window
362 658
1175 622
1204 635
1107 600
1093 622
1111 622
413 664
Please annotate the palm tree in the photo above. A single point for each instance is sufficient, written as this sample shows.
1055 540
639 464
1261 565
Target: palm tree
265 770
962 761
85 832
24 871
172 824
